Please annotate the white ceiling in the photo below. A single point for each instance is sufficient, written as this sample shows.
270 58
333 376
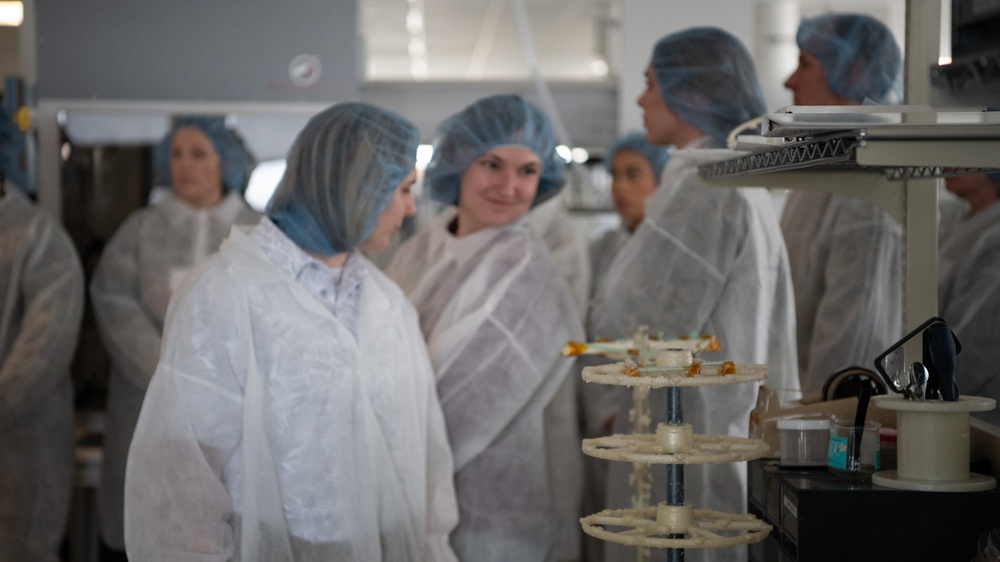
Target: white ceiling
479 39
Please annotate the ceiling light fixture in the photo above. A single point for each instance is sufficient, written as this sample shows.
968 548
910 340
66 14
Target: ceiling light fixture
11 14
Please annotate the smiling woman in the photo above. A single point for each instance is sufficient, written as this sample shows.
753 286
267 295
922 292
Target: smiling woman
498 188
494 309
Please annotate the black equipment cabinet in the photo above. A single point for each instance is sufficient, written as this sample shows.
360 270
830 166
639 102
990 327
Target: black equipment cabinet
818 516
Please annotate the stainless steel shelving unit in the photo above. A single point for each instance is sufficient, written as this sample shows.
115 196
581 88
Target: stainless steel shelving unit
892 156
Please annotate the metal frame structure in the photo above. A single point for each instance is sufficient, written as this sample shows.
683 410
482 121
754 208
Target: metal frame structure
895 163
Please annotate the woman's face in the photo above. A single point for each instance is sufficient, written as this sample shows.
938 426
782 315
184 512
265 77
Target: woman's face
662 125
195 169
498 188
808 84
391 218
632 181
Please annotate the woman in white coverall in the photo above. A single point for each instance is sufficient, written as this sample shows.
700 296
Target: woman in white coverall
704 260
41 304
844 251
635 166
292 415
206 166
969 286
495 312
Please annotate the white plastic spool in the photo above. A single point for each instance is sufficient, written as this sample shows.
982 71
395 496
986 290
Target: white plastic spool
677 438
678 517
674 357
933 445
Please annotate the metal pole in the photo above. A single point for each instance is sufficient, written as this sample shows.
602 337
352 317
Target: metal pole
675 472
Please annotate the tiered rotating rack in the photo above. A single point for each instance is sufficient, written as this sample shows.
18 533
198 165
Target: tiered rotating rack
674 524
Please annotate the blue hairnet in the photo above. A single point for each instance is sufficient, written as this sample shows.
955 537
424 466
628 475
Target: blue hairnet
343 170
235 161
11 148
707 78
488 123
858 54
655 154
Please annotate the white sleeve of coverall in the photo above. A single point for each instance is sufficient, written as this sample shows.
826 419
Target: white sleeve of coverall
128 331
52 289
176 505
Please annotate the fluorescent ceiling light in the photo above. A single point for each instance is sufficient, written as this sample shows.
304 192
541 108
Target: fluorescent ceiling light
11 13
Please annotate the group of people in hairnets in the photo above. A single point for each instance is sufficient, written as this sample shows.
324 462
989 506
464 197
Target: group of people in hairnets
690 259
276 396
307 406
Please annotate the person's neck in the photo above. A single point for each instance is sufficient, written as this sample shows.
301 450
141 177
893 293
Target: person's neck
207 202
687 135
334 261
981 199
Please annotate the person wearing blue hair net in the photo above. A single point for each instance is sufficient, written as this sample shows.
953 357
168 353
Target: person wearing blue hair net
855 56
704 260
635 166
844 251
293 414
42 291
495 311
969 286
205 166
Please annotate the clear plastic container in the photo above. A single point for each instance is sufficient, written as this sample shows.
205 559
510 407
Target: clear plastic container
843 445
804 442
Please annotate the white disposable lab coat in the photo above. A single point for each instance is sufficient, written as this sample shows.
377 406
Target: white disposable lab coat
969 300
598 403
41 304
270 432
568 247
704 260
602 250
495 312
140 267
847 274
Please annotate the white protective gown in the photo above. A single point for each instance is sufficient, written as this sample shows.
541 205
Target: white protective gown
495 312
704 260
847 273
41 287
602 251
271 432
140 267
598 403
560 235
969 300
